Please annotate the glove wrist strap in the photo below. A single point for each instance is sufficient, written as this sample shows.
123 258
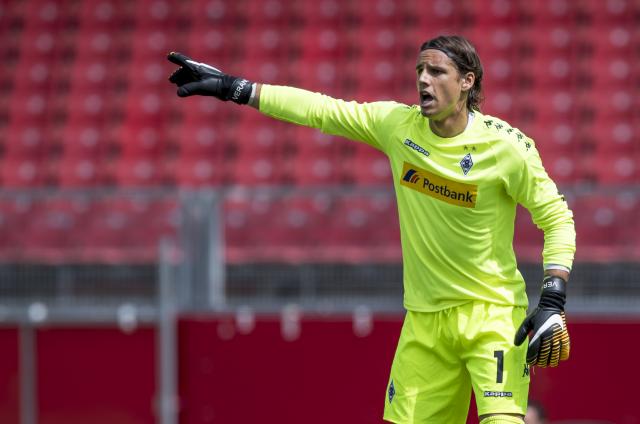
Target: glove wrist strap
240 91
553 293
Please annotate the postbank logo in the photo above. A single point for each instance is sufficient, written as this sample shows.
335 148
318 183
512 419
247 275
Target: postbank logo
452 192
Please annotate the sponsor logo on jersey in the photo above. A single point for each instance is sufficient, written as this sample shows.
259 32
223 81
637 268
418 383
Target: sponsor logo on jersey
466 163
391 392
438 187
488 393
414 146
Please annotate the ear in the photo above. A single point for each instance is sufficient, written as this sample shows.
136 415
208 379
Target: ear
468 80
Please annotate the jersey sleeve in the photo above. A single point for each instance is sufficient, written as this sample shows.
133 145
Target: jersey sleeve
528 184
356 121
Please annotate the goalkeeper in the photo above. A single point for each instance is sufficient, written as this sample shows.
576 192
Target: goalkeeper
458 176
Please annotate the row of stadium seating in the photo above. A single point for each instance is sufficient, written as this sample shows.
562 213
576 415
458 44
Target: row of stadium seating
111 13
86 104
89 104
268 227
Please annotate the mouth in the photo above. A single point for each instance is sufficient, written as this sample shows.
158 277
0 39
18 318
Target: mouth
426 99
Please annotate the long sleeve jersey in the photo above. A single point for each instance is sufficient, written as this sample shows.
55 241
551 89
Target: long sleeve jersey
456 196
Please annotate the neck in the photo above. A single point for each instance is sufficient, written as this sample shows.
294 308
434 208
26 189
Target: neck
451 125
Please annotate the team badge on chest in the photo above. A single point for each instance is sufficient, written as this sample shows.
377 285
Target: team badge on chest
466 163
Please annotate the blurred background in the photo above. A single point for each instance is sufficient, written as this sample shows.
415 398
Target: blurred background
185 260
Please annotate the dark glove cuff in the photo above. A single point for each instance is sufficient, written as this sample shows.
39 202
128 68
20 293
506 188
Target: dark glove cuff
239 89
553 295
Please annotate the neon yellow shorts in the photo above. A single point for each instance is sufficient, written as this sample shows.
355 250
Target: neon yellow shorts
442 355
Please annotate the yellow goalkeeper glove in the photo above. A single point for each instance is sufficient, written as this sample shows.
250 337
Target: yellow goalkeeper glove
549 342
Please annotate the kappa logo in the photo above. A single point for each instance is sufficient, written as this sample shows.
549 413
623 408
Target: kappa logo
414 146
489 393
433 185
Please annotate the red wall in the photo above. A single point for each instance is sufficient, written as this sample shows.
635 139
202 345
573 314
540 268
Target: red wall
95 375
9 378
230 374
329 375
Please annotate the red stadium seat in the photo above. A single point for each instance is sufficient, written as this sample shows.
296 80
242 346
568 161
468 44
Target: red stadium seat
131 172
260 137
267 43
54 226
320 75
146 108
323 43
559 138
311 142
616 168
324 12
606 12
257 171
239 230
21 173
26 140
15 212
494 40
495 13
612 137
546 70
358 229
377 12
374 42
370 74
217 14
528 239
597 229
545 11
206 141
211 43
159 14
141 140
200 172
369 170
556 38
80 172
605 105
293 226
606 74
309 170
29 106
151 45
269 12
94 43
107 14
109 227
565 169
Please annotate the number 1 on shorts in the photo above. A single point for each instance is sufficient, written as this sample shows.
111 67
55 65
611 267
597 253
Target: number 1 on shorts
499 355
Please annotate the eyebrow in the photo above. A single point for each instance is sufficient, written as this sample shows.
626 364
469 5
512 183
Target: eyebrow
430 67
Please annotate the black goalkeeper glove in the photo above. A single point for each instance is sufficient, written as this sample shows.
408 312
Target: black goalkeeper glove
549 343
199 78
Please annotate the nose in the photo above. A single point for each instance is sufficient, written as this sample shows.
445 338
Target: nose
424 78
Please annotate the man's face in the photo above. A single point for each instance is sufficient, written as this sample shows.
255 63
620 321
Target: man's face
440 85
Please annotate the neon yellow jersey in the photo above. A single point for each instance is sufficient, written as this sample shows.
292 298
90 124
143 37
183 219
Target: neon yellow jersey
456 196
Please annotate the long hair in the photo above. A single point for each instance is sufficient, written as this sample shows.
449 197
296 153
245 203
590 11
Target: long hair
464 56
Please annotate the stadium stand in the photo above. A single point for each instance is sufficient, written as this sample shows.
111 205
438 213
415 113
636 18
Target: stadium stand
85 102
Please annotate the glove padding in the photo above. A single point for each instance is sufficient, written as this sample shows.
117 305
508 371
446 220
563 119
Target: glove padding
549 343
199 78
